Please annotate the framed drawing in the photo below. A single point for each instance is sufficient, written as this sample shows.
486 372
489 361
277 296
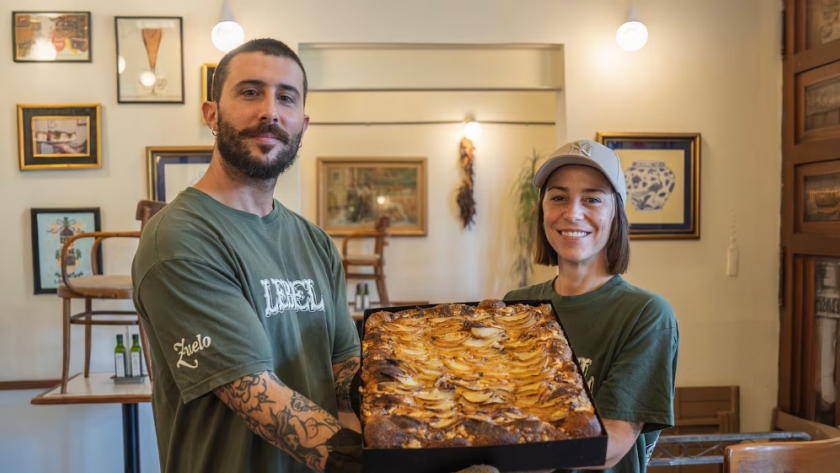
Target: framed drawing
662 172
818 103
150 59
354 192
59 136
51 36
817 190
207 71
50 228
172 169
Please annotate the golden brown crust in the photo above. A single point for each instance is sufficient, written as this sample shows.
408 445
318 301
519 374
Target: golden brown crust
460 375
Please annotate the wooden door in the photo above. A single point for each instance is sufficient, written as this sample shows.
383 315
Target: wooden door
810 229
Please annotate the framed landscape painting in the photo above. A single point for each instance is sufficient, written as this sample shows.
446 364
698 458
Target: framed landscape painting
51 36
50 228
354 192
662 173
171 169
61 136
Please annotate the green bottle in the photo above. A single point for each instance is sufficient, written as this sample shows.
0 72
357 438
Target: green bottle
135 356
119 358
365 297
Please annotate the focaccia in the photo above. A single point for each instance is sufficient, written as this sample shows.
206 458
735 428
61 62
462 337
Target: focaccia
462 375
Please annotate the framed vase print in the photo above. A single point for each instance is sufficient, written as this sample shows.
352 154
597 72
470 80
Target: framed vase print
172 169
51 36
51 227
150 59
59 136
662 173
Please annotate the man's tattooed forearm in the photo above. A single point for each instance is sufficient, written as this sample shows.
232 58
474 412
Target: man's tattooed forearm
248 393
343 378
299 426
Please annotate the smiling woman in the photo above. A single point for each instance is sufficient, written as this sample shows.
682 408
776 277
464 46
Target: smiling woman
626 338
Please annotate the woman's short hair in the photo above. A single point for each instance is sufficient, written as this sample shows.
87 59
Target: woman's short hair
617 248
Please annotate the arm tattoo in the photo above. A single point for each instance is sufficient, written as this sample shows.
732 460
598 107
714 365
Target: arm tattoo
637 428
344 373
290 422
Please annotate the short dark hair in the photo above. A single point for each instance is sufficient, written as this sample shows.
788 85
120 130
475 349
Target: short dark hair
618 245
267 46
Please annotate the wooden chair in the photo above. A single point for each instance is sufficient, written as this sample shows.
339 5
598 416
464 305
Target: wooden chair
98 286
699 410
375 260
817 456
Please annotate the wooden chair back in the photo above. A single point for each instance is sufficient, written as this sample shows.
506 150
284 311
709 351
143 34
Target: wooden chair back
375 260
817 456
146 209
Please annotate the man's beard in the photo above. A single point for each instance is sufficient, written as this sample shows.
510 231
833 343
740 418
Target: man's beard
234 150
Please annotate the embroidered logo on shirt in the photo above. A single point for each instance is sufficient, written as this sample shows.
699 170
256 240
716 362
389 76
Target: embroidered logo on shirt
185 348
282 295
585 363
649 452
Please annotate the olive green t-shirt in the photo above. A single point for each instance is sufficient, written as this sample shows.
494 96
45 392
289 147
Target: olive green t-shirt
626 340
224 294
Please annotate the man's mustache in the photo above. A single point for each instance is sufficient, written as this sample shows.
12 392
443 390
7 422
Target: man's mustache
269 128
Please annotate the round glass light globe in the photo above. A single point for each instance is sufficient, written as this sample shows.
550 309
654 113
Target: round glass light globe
472 130
631 36
148 78
227 35
381 199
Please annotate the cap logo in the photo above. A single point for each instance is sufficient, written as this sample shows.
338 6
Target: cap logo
582 147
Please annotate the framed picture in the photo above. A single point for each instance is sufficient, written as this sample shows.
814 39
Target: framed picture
150 59
172 169
207 71
354 192
51 36
818 103
662 172
822 18
50 228
817 190
59 136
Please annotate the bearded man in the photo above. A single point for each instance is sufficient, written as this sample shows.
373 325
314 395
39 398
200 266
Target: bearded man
252 345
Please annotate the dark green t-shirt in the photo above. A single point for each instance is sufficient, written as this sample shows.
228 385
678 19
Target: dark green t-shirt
626 340
224 294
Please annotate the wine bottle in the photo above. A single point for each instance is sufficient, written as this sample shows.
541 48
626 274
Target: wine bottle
135 356
365 298
119 358
357 303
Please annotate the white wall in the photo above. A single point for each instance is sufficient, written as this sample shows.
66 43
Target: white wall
711 66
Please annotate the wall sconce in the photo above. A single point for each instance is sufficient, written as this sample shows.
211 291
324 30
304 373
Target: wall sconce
633 34
227 34
472 129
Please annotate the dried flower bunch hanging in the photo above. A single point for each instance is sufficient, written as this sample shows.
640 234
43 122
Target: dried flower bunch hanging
465 199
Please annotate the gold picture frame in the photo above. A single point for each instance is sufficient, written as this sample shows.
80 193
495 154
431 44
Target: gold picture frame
662 172
46 36
207 71
352 193
59 136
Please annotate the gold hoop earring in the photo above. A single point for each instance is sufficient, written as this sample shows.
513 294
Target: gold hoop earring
214 132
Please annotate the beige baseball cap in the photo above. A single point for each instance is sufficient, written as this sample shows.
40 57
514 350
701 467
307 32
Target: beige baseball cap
586 153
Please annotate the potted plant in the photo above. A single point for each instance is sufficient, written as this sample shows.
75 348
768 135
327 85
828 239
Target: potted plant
526 198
